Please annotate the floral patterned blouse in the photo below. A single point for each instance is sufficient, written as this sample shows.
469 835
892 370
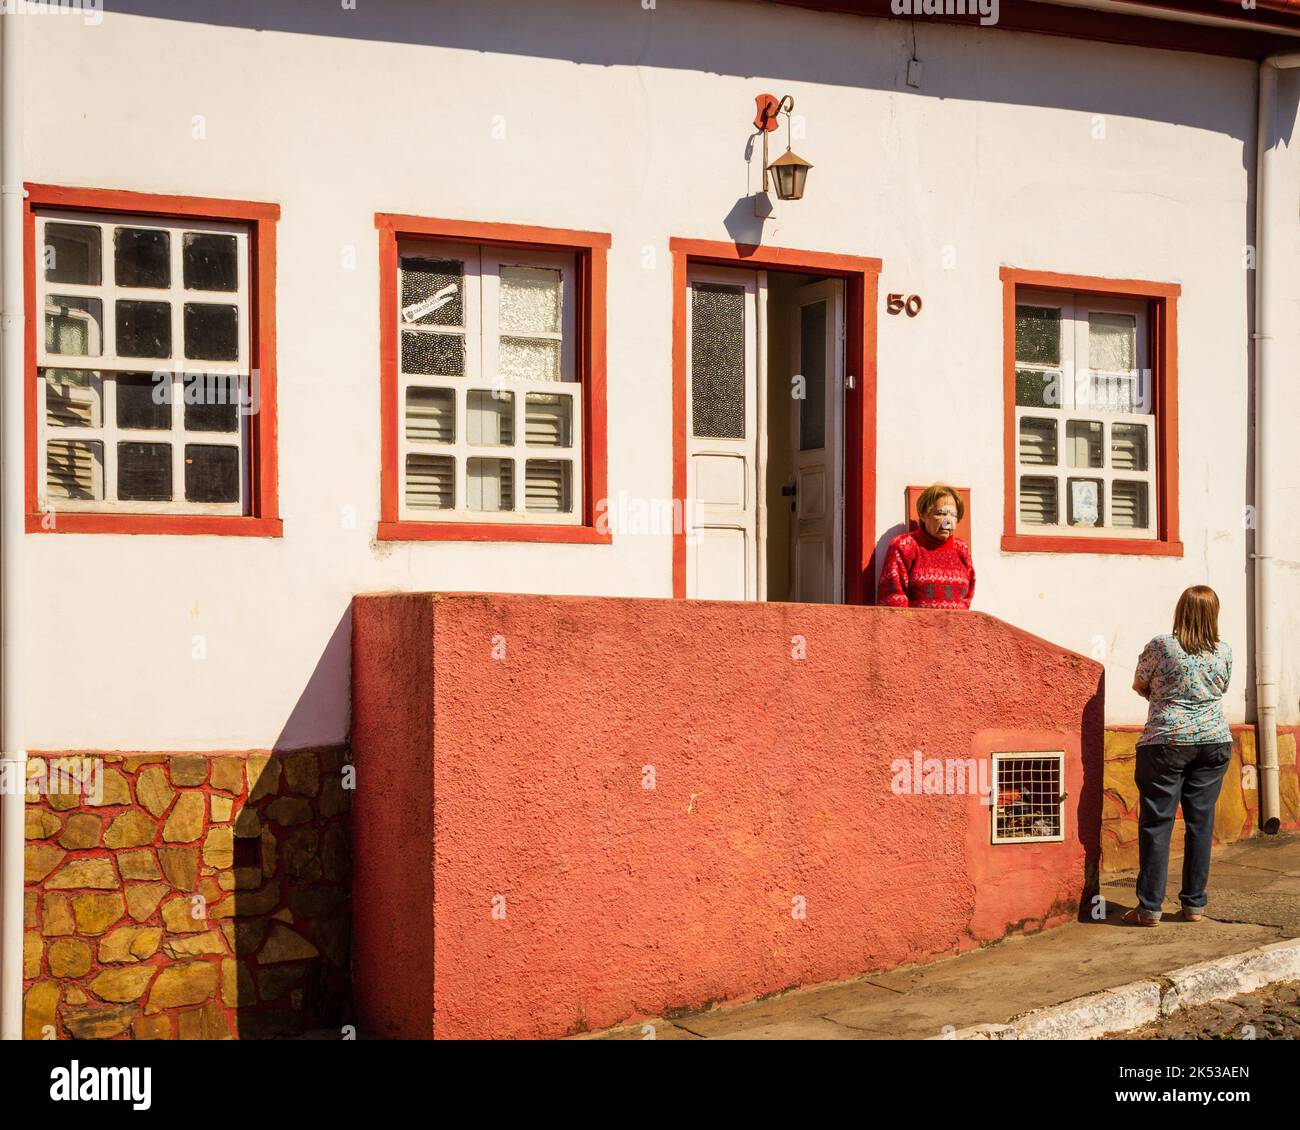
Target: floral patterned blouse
1185 692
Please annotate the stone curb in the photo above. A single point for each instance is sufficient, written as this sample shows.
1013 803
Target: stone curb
1142 1002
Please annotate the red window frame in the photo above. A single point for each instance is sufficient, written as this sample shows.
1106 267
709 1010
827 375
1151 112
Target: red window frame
1162 304
264 519
590 251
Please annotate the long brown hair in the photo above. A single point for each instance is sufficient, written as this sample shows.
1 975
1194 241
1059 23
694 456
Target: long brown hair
1196 619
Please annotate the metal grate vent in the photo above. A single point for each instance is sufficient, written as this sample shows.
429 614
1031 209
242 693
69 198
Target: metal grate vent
1028 797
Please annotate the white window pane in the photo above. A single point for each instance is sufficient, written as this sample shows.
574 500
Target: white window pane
433 291
1085 501
1038 335
1037 500
491 484
1112 342
530 300
1128 505
491 416
548 420
74 325
73 398
74 470
1128 447
1083 443
431 415
525 360
546 486
1037 441
1109 392
430 482
73 254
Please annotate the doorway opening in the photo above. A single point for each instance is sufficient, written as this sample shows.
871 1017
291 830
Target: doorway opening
774 413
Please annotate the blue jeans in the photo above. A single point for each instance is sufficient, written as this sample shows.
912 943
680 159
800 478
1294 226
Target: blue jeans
1165 775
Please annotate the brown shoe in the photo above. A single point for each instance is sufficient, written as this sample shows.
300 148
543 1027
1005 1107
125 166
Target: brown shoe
1139 917
1190 914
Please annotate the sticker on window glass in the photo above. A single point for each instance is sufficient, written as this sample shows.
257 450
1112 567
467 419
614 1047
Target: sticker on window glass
1084 502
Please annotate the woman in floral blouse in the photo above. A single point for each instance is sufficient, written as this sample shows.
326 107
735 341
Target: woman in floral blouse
1183 752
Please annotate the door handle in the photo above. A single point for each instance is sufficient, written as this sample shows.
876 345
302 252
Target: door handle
790 490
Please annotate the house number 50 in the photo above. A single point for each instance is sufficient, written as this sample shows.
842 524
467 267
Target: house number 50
896 304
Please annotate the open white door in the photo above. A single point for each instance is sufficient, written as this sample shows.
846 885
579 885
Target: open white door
817 427
725 314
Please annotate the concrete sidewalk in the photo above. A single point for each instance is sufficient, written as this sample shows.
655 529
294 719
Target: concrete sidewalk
1254 900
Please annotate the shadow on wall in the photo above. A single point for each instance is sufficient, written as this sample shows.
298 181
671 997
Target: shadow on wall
329 685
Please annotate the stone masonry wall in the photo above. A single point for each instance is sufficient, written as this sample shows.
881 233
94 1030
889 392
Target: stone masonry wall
1236 817
205 897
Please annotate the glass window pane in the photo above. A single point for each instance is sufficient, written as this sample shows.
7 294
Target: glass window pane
718 361
491 417
1038 335
436 355
431 415
433 291
73 398
74 470
1087 506
430 482
1037 441
211 332
491 484
143 402
73 254
1038 500
1109 392
1128 505
546 486
211 473
548 420
142 257
1112 342
1038 388
211 402
144 329
812 361
209 261
1128 447
144 472
1083 443
525 360
74 326
530 300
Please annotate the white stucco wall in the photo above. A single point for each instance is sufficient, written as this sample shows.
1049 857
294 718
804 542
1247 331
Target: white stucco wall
634 123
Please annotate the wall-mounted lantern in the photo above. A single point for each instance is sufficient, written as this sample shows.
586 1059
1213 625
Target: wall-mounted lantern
789 171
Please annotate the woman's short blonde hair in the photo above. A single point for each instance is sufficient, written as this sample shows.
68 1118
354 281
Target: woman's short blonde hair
934 494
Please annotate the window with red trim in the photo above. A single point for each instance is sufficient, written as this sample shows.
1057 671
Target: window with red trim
1089 414
147 366
493 383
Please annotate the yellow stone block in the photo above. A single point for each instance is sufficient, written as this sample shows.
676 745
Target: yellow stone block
40 1010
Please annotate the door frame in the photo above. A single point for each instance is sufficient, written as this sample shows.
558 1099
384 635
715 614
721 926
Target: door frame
861 291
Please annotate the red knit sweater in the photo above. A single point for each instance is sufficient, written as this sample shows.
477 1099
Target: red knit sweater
924 572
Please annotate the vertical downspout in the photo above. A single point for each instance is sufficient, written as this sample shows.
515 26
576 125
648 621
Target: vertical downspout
13 757
1270 230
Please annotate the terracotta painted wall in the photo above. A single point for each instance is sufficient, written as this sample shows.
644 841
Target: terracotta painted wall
194 897
1236 816
532 885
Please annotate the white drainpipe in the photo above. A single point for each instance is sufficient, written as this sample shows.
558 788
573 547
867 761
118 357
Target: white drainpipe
1274 222
13 757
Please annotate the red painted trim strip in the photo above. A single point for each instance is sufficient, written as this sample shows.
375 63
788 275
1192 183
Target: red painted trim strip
591 267
490 531
475 231
264 520
861 294
81 523
1034 543
1163 299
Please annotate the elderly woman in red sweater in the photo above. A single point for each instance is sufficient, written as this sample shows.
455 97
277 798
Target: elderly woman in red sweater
930 567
